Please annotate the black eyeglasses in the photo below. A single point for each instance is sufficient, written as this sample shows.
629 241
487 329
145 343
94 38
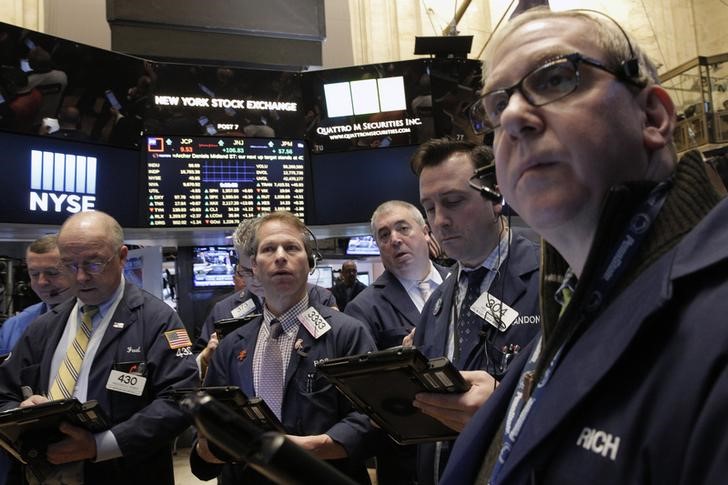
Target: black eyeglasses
90 267
556 79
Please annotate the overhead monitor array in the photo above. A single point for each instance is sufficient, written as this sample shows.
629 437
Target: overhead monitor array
176 145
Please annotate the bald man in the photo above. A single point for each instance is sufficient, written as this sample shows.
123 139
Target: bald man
130 334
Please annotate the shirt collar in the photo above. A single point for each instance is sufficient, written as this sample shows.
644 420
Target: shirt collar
433 275
496 256
289 318
105 306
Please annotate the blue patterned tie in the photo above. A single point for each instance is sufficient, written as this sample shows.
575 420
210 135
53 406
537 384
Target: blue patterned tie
271 381
469 324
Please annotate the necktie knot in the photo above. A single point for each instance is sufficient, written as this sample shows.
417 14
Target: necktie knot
89 311
276 329
475 278
425 291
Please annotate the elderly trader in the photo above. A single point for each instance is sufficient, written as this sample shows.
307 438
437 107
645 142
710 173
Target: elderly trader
85 348
628 382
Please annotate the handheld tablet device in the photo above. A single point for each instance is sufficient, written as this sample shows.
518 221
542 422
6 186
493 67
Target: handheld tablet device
26 432
229 325
254 409
383 385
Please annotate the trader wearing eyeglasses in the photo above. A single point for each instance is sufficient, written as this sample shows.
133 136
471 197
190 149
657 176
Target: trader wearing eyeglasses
84 348
627 383
243 303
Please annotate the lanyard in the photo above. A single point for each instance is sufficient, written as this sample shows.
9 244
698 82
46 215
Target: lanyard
523 401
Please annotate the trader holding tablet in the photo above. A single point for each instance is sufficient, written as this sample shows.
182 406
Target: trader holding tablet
487 310
273 357
93 347
391 305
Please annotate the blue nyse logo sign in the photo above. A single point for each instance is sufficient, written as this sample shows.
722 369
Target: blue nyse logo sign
61 182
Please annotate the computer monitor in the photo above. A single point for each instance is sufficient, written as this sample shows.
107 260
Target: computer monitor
219 181
362 246
213 266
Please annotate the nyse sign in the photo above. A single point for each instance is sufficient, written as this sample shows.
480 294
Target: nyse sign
61 182
43 201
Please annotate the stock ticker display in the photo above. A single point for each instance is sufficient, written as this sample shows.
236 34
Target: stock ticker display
218 181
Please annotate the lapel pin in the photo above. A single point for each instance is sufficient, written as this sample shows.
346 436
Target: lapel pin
242 355
438 307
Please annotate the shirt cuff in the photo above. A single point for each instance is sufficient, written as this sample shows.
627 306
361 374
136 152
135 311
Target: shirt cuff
106 446
198 359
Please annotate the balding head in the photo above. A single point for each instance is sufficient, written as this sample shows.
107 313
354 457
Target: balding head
99 225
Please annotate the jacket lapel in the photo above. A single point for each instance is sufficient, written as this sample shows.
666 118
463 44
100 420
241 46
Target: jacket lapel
443 310
61 312
398 298
124 313
307 343
247 341
522 260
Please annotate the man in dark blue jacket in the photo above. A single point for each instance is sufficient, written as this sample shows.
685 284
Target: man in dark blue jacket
487 310
628 382
132 333
273 357
391 305
244 302
346 290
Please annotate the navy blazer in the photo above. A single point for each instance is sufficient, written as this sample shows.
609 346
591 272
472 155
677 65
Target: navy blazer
641 396
387 308
516 285
311 404
144 426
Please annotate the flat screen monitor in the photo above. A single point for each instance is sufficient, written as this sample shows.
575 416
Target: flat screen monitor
362 246
322 276
219 181
348 186
46 179
213 266
372 106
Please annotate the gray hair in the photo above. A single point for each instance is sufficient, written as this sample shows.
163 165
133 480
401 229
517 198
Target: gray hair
389 206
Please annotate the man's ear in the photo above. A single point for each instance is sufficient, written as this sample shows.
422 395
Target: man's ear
123 254
426 231
498 206
253 264
659 117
